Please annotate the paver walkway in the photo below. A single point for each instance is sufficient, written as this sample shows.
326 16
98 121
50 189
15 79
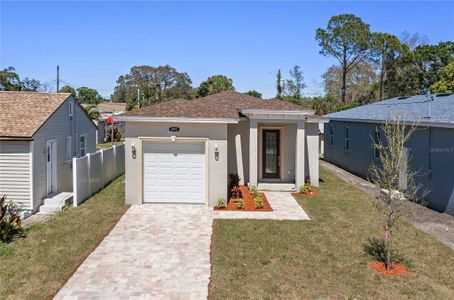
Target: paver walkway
156 251
284 207
161 251
439 225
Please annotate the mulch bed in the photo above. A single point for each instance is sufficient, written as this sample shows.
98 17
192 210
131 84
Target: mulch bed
248 200
396 269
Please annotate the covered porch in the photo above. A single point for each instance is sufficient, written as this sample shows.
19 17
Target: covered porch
274 150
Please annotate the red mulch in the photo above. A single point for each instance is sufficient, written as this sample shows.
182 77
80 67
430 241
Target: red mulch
248 200
396 269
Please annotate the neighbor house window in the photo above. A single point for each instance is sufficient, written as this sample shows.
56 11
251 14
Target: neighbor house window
83 144
331 135
69 152
376 142
347 138
71 108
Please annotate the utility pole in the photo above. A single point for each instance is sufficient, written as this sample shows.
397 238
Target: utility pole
58 78
138 98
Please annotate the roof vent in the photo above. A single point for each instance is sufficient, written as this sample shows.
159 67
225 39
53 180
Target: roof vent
444 95
403 97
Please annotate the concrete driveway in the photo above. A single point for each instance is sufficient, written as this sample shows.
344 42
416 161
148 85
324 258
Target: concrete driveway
158 251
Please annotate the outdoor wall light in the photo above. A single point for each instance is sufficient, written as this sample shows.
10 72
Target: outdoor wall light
134 151
216 152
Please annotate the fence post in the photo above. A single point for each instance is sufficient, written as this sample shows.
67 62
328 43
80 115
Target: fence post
115 161
74 181
102 168
89 173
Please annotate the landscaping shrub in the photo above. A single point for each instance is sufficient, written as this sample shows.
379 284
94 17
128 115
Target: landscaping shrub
306 188
234 183
10 222
221 203
255 192
235 192
240 203
258 201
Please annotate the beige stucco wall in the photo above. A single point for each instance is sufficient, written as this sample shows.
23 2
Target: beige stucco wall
242 129
313 152
217 169
288 131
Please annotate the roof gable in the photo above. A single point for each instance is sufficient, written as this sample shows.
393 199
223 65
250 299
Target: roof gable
23 113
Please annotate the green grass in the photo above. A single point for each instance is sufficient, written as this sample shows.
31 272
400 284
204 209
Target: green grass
108 145
38 265
323 258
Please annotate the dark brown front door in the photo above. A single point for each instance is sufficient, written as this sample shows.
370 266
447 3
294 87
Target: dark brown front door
271 153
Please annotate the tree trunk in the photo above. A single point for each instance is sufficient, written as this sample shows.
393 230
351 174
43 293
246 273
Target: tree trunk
344 74
382 78
344 83
389 245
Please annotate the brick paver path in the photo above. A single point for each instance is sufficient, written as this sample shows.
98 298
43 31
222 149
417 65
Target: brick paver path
161 251
156 251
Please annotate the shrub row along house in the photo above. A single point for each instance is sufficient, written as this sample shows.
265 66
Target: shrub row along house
183 151
350 135
40 133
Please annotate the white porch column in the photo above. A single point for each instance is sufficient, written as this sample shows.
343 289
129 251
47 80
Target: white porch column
253 153
239 158
300 154
312 136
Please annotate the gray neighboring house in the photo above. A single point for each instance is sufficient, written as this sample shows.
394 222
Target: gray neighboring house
40 133
350 133
182 151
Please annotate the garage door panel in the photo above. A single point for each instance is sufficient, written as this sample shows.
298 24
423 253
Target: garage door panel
174 172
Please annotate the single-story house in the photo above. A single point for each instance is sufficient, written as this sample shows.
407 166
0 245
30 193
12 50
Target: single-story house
40 133
350 135
183 150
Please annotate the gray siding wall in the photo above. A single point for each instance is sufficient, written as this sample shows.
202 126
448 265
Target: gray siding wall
15 157
431 153
59 126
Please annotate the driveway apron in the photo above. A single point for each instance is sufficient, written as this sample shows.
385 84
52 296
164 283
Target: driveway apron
156 251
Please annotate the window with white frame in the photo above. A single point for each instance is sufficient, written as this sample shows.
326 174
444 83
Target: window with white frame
331 135
346 138
83 144
71 107
69 151
376 143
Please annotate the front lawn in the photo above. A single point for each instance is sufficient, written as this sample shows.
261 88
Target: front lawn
323 258
38 265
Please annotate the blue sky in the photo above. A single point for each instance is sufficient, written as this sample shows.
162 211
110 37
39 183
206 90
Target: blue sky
95 42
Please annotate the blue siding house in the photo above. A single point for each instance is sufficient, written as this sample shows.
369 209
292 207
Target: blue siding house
350 134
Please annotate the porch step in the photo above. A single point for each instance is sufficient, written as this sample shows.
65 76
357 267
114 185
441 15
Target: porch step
56 203
277 187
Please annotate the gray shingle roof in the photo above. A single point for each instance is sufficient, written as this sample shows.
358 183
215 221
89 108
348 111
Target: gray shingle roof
411 109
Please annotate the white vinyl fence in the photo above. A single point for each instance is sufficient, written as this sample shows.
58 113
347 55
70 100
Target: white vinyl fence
94 171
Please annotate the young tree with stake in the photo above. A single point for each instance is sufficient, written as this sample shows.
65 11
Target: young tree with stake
395 181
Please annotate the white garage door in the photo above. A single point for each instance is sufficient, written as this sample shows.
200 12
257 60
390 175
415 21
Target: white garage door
174 172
